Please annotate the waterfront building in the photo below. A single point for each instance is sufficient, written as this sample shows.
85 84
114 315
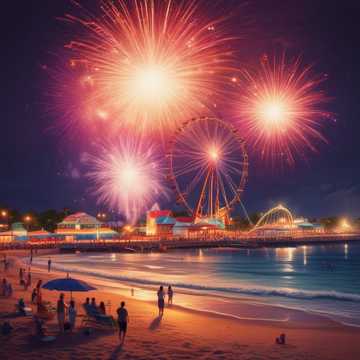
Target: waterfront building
152 217
82 226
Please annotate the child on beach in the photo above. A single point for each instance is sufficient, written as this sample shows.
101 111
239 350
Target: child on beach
123 319
170 295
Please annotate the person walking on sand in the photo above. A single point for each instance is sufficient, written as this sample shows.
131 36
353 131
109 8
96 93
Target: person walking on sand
60 310
161 300
170 295
49 265
123 319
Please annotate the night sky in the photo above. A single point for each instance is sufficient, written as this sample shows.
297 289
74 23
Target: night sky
40 171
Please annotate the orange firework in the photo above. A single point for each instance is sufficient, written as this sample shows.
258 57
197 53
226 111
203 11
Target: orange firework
154 63
280 109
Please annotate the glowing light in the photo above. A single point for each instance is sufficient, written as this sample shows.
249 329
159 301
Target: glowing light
345 224
4 213
214 154
102 114
280 109
127 177
128 228
151 63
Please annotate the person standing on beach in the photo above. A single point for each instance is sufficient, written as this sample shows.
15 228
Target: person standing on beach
21 275
161 300
72 315
39 295
170 295
60 310
123 319
28 281
49 265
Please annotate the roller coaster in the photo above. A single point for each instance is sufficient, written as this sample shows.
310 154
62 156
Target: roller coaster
279 218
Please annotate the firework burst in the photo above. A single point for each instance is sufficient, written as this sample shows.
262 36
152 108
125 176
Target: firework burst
153 63
127 177
280 109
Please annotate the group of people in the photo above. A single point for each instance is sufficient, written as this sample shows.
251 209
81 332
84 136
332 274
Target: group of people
93 307
6 288
161 294
66 314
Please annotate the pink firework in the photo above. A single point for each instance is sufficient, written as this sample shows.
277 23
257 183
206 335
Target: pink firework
280 110
127 177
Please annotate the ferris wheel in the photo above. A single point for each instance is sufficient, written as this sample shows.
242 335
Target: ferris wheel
208 166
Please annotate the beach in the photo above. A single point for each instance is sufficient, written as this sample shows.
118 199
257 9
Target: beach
180 334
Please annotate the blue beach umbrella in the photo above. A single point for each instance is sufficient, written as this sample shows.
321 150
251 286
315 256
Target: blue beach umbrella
68 284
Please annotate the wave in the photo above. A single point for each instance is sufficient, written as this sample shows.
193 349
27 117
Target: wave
250 291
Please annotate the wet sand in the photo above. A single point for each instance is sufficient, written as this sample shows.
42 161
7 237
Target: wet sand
180 334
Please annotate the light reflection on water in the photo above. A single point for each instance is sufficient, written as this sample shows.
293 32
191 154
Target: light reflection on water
317 278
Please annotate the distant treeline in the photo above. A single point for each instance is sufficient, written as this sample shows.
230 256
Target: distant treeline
49 219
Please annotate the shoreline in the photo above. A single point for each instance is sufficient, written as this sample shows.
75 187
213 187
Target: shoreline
200 298
181 334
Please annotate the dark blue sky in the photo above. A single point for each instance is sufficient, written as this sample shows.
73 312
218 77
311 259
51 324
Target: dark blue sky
39 171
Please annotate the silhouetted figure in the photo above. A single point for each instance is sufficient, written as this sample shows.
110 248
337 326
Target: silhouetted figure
72 315
170 295
161 300
123 319
281 340
49 265
60 310
102 309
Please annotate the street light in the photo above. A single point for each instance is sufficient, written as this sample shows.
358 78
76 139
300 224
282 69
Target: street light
27 220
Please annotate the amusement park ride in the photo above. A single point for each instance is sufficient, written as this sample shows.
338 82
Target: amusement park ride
208 168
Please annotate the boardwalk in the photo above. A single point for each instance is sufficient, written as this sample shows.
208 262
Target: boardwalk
134 245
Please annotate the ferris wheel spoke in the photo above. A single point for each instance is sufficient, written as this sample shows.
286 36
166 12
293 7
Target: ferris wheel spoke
190 167
195 181
223 191
208 163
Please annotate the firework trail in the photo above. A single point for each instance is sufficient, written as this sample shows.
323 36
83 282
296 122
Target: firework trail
153 63
127 177
280 109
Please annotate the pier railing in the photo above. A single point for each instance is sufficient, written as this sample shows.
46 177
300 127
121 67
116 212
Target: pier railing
163 244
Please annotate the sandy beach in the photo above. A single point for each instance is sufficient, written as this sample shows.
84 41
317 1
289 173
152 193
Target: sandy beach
180 334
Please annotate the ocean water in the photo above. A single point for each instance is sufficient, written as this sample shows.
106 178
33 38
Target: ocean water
322 279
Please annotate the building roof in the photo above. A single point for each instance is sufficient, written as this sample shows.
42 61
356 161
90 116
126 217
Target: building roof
158 213
41 232
81 218
18 226
165 220
184 219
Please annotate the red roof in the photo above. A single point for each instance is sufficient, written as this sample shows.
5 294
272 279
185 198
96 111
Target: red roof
185 219
157 213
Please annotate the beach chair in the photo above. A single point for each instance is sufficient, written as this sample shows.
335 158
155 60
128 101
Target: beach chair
93 318
25 311
46 311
